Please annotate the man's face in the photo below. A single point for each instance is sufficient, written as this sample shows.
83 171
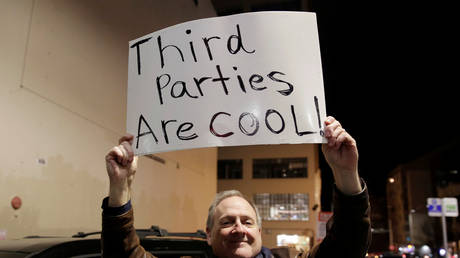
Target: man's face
235 232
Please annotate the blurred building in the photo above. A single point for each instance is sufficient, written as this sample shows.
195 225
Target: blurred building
379 222
284 181
224 7
63 74
408 187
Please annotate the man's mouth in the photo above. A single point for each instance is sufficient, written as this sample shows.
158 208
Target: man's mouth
237 241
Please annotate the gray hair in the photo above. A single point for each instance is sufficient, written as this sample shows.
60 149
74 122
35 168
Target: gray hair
222 196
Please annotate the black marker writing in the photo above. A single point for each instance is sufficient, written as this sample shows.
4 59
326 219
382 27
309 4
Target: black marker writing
165 126
211 125
254 124
188 126
295 124
268 113
239 44
208 48
285 92
197 87
321 132
221 79
240 80
256 78
161 49
139 134
138 52
192 49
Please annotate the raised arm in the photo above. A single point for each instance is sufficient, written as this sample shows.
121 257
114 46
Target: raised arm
348 231
341 154
119 238
121 166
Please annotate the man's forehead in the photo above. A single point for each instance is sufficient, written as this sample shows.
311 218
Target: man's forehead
235 205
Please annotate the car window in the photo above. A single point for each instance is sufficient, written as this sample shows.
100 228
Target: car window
12 255
180 253
77 248
87 256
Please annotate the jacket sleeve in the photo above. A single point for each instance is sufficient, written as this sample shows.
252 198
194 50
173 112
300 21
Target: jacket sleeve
349 230
119 238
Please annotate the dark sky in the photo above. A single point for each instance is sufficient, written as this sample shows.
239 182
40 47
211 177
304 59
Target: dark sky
390 73
391 77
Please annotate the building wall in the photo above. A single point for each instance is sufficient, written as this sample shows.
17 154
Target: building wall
396 208
407 205
249 186
63 76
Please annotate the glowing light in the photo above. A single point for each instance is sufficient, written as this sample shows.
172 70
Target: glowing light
425 250
391 180
442 251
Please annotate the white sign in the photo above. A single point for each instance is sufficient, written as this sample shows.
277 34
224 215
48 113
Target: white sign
434 206
252 78
437 205
323 218
450 207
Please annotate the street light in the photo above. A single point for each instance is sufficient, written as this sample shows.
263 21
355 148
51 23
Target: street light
442 252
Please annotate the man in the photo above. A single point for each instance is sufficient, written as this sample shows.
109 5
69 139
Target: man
233 226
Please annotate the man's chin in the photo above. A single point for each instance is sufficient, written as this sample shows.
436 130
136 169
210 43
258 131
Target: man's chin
243 252
237 252
242 255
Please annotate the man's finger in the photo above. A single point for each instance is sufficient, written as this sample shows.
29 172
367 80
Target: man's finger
129 150
126 138
114 154
125 156
337 132
346 139
329 120
330 128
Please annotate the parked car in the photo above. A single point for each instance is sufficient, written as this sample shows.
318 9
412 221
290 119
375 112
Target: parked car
384 255
159 242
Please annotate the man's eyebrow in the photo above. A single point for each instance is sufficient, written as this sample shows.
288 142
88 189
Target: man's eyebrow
245 217
226 217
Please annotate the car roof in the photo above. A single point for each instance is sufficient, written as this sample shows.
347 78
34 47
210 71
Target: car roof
35 244
154 238
38 244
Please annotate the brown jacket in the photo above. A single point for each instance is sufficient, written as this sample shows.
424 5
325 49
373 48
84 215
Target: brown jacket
348 234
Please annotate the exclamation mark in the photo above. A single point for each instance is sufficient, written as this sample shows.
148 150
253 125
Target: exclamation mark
321 132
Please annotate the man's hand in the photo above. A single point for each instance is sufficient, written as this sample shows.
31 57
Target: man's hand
341 154
121 166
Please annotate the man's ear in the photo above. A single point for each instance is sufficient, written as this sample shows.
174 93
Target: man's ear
208 235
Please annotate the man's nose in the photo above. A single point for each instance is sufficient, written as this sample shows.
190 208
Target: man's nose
239 227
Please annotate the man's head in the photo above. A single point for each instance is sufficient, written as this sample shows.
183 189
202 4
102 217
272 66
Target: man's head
233 226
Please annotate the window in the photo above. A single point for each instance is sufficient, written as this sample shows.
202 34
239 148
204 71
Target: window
230 169
279 168
282 206
300 242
